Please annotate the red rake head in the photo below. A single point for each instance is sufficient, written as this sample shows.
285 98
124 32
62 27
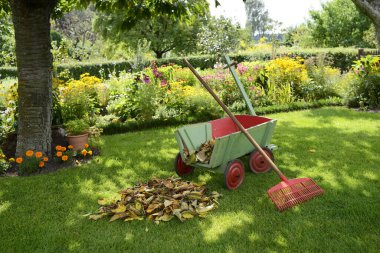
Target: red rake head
292 192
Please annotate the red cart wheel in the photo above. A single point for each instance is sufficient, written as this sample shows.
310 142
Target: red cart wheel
257 162
181 168
234 174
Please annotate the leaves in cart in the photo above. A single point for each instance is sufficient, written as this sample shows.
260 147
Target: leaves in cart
202 155
159 200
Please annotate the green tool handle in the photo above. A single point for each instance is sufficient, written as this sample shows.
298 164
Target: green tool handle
240 86
234 119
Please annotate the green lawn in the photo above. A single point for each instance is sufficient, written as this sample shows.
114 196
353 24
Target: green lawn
45 212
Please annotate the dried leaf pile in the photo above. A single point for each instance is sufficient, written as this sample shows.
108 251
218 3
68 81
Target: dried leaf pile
202 155
160 200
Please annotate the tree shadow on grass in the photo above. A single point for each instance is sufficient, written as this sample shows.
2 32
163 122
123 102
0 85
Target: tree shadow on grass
45 212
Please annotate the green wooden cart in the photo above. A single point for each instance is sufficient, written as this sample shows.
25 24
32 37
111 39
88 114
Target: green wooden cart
229 143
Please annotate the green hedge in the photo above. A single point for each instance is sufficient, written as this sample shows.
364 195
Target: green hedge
341 58
118 127
8 72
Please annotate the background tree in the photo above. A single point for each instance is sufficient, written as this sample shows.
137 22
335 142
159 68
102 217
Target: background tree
31 21
164 33
218 36
371 8
257 17
339 23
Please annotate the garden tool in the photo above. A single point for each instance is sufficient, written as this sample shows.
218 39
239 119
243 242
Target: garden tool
289 192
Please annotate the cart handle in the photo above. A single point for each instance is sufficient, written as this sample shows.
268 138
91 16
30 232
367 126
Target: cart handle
240 85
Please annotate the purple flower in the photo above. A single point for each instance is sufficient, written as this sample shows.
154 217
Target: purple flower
146 79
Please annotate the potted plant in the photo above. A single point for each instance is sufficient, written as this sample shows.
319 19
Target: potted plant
77 133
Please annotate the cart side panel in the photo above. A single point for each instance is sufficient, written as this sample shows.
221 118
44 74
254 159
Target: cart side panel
237 145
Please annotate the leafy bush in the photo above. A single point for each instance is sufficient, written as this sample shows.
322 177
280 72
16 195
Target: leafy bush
8 108
77 127
324 80
365 91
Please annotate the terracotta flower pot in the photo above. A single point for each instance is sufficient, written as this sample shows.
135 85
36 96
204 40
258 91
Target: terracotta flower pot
77 141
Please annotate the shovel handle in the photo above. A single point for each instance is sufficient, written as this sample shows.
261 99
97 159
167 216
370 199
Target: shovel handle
234 119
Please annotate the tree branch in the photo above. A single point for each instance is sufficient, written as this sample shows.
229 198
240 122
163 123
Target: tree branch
367 8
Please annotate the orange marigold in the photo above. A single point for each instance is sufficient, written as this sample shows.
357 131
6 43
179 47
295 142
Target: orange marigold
70 147
85 145
65 157
29 153
45 159
59 154
58 148
63 149
84 152
42 164
19 160
38 154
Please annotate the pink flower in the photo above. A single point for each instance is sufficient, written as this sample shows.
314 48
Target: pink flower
241 68
163 82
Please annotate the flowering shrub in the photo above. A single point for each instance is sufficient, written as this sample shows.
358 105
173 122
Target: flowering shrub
81 98
31 162
365 92
286 77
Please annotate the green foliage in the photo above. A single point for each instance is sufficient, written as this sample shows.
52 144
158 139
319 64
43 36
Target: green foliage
8 108
365 91
163 33
341 58
323 79
218 36
77 127
339 23
7 43
4 163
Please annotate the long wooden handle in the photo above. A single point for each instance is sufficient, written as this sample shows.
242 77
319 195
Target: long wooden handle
234 119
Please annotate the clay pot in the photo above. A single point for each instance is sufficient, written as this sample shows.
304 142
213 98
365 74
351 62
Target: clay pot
77 141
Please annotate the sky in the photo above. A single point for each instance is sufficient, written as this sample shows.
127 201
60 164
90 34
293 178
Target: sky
289 12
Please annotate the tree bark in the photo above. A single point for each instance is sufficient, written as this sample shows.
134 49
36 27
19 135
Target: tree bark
31 20
371 8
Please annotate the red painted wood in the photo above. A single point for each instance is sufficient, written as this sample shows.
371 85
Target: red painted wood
225 126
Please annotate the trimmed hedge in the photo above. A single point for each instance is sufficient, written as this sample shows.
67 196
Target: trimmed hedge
341 58
118 127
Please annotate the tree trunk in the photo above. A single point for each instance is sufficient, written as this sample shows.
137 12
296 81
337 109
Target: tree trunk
371 8
159 54
31 20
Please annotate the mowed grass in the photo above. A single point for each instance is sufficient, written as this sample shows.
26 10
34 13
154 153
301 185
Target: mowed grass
337 147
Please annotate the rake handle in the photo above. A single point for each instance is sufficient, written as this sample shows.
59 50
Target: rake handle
234 119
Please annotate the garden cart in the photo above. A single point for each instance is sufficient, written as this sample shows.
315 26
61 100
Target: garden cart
229 144
289 192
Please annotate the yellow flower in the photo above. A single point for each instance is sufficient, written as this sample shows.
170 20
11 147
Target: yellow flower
59 154
38 154
65 157
70 147
63 149
58 148
42 164
84 152
12 160
90 152
29 153
19 160
85 145
45 159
